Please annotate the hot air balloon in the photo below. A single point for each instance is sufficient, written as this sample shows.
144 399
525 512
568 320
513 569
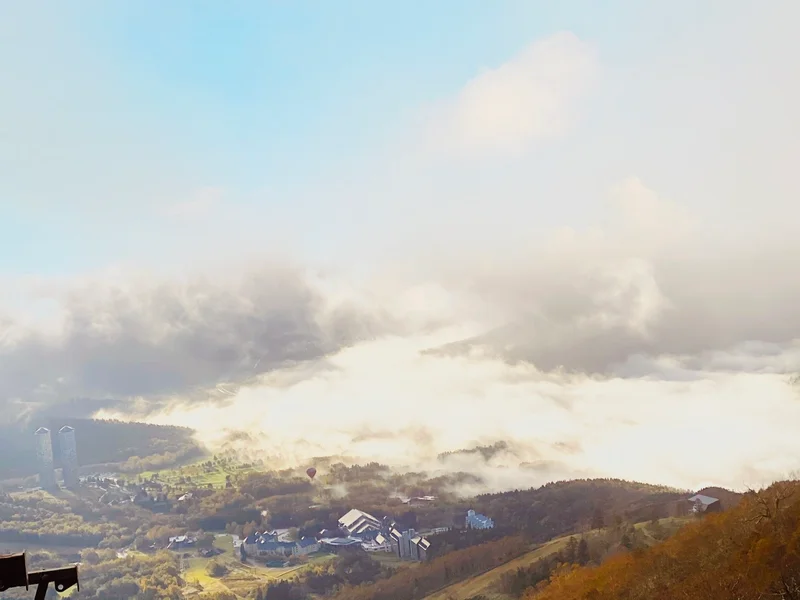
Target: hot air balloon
311 472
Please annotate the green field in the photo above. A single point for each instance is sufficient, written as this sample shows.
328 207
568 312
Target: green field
198 474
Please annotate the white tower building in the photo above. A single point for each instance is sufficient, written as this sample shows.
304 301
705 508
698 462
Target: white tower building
44 456
69 456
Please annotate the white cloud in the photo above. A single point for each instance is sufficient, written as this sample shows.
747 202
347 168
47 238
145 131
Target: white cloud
531 96
384 400
199 204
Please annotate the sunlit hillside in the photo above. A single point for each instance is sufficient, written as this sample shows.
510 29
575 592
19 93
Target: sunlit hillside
751 552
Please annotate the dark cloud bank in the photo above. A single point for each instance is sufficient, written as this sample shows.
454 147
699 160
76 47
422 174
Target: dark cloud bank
169 338
585 310
734 311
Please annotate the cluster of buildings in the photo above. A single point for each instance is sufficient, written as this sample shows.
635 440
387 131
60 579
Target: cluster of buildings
374 535
273 543
357 529
69 457
157 503
407 545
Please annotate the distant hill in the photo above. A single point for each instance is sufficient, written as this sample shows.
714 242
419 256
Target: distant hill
726 497
486 452
98 442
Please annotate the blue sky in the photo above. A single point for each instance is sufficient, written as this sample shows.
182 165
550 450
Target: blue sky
299 114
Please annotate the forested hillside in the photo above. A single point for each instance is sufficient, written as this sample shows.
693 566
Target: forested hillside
749 552
99 442
566 506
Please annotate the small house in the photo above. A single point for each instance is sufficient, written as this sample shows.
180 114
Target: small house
701 504
420 500
181 542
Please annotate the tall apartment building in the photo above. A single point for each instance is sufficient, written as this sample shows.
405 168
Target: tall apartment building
44 458
69 456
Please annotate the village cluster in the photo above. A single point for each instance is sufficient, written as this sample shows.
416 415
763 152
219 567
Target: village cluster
357 529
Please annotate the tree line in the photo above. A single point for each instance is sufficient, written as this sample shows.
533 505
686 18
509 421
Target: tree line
560 508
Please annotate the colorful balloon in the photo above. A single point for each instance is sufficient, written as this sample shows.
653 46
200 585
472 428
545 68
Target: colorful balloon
311 472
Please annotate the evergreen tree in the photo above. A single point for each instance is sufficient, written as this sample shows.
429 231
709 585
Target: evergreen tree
597 519
583 552
570 554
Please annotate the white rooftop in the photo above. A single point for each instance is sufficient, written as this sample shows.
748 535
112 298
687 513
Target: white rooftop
705 500
354 515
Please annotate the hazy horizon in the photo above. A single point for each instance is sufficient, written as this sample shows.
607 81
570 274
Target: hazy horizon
390 232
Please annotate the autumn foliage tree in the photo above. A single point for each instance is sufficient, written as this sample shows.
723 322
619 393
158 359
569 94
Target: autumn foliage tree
748 553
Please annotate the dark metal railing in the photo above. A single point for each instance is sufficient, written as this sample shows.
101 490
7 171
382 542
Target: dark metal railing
14 573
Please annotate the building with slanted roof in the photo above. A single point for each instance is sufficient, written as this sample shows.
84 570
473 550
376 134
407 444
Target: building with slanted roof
478 521
380 543
267 544
704 504
181 542
340 543
420 500
356 522
422 549
414 547
305 545
271 544
274 548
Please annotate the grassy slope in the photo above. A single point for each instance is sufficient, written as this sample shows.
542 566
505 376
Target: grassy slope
200 476
241 579
485 584
670 525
